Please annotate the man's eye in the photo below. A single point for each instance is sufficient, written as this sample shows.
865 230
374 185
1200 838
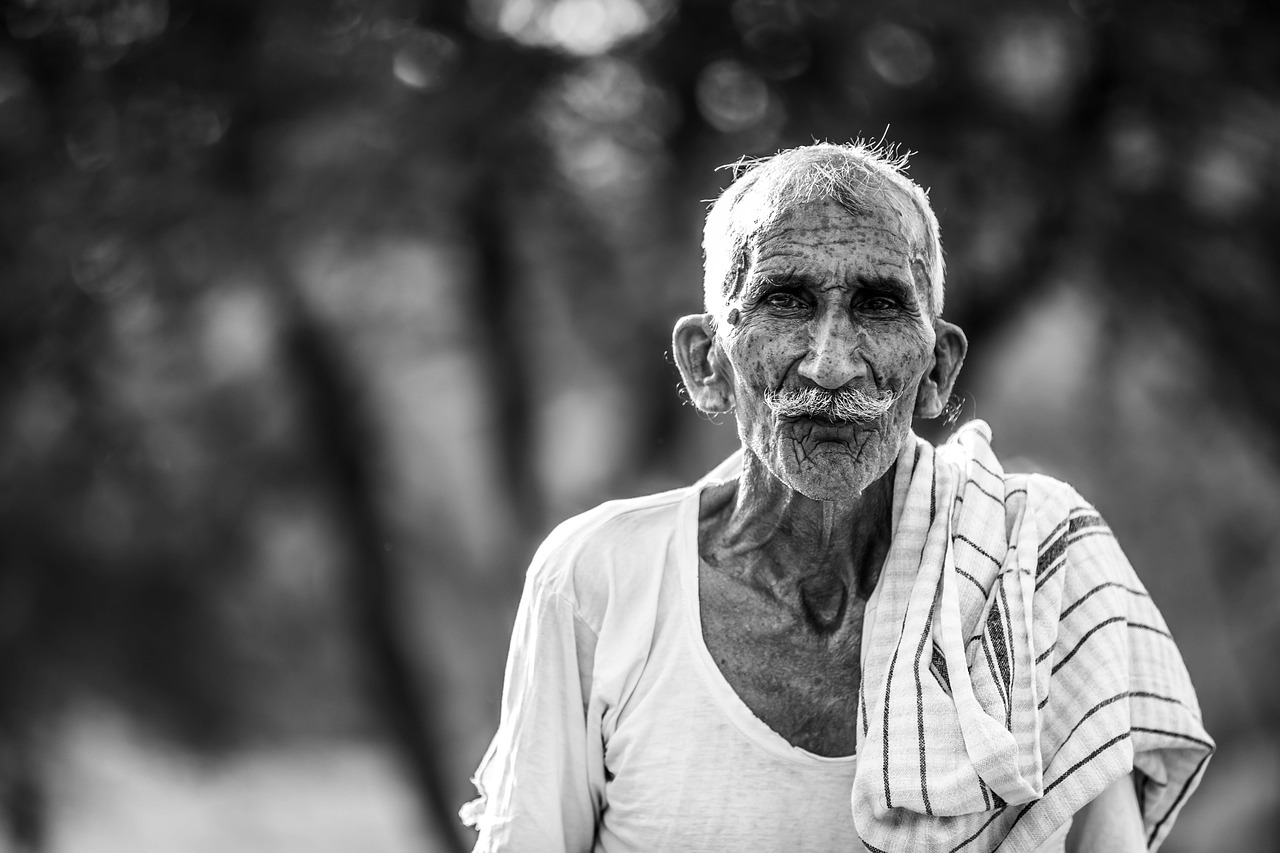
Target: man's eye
785 301
879 303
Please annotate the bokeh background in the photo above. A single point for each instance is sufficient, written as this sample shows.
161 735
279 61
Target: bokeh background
316 315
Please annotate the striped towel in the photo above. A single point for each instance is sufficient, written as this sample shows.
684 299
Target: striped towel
1015 666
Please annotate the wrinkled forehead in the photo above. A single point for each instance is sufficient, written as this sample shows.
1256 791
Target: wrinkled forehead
891 213
892 210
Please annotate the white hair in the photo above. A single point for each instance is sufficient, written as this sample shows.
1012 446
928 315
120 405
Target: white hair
859 176
844 405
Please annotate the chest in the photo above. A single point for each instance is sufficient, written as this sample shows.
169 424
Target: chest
802 685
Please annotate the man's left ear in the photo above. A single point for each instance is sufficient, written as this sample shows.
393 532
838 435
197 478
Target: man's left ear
948 355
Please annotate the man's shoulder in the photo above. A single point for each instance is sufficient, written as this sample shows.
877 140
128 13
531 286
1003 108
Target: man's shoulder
609 544
971 448
1068 524
616 521
1046 494
1055 507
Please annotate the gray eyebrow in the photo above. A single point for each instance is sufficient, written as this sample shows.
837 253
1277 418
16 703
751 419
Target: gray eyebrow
887 283
753 284
797 276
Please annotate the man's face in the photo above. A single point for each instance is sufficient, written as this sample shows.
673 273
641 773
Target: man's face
831 300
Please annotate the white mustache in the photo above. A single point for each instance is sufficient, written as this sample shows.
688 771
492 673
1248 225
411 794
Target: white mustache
847 404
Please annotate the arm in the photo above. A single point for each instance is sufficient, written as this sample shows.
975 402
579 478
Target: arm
1111 823
541 782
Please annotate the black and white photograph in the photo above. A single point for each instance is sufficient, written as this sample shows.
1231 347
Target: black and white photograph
639 426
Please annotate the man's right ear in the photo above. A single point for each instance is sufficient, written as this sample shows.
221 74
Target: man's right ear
703 367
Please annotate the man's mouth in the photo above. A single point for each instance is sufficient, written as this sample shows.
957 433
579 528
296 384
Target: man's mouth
818 418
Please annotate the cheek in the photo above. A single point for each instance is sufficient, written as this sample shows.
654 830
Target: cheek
760 357
901 357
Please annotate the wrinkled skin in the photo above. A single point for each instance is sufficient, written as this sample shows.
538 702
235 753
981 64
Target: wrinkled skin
791 550
832 301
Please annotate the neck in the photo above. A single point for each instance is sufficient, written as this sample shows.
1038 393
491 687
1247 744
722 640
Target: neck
821 551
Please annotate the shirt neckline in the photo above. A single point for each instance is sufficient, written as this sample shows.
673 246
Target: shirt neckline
726 697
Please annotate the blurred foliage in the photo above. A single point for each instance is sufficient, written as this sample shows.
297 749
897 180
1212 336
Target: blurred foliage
315 315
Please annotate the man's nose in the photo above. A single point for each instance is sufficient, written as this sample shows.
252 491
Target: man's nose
834 358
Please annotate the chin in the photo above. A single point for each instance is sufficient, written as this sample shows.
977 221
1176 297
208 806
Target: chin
830 474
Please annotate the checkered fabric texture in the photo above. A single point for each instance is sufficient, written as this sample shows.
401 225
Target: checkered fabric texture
1016 666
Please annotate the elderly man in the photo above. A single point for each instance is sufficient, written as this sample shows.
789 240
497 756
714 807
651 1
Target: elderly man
843 638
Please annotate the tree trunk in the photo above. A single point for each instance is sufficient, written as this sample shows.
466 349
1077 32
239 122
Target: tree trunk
346 447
